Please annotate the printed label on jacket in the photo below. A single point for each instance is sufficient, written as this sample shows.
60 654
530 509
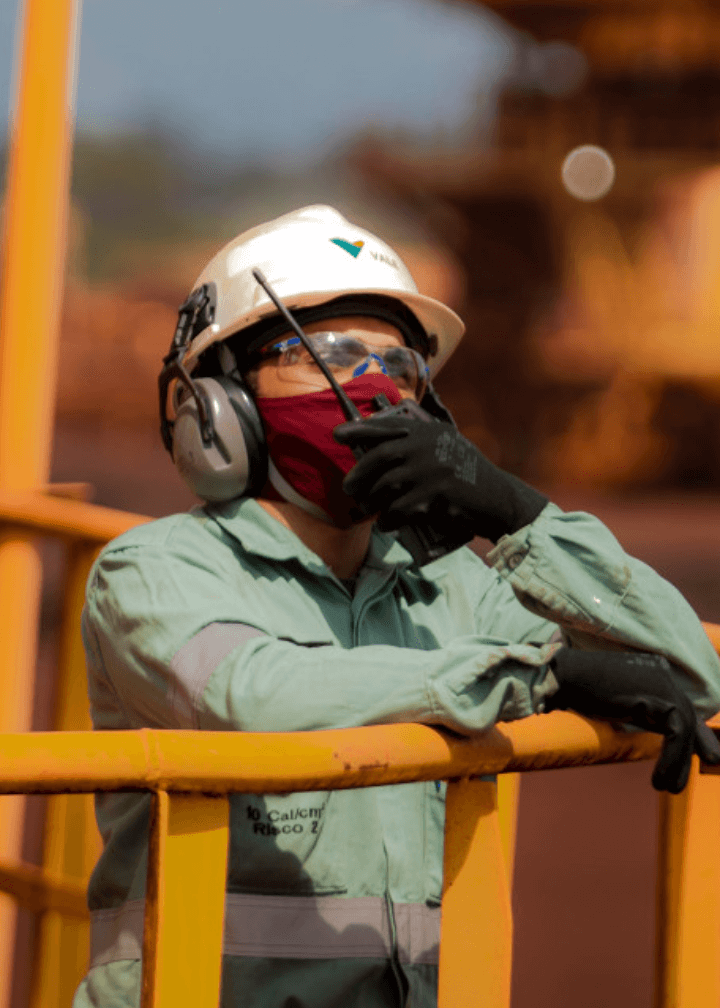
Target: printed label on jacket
273 822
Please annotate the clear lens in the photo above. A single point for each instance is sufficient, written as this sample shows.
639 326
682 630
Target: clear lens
405 367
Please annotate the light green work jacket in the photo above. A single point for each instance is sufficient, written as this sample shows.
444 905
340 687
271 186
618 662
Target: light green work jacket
221 619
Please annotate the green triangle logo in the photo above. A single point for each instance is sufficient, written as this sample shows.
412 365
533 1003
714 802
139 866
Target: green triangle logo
352 247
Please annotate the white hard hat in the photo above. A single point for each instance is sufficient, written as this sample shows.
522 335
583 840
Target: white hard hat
311 256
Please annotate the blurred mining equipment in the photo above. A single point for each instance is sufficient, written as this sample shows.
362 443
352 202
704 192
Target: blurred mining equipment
593 354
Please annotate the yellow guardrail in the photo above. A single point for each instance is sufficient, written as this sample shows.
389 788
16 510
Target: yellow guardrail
191 774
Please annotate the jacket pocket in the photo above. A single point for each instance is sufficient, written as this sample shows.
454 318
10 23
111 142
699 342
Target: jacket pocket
286 845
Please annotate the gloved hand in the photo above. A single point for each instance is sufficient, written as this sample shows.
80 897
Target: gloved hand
416 469
638 689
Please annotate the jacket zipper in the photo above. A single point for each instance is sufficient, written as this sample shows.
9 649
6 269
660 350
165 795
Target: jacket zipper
401 982
402 985
356 621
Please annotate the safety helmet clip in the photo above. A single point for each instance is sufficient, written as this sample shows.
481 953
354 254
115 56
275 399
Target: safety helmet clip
194 315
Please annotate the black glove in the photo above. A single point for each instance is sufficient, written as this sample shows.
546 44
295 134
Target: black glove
413 469
638 689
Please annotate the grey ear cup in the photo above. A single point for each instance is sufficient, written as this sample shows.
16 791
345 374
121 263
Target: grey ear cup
234 463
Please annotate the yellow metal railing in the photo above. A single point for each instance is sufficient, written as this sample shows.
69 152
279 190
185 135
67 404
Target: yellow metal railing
191 774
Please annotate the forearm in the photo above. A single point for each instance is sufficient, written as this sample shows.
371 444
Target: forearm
270 685
570 569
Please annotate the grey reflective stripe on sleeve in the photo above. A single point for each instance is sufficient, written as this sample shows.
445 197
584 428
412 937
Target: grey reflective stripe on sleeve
196 661
290 927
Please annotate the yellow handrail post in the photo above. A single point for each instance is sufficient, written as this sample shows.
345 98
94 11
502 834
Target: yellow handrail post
33 260
508 785
72 841
476 929
688 941
185 912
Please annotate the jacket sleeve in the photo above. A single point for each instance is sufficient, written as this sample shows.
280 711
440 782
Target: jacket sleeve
571 570
169 646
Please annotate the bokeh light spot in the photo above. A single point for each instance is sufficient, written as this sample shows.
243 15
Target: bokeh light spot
588 172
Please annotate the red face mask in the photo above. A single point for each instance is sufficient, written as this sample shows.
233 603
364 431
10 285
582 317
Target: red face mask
305 461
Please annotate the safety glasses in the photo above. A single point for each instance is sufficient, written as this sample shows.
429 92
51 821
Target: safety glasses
349 355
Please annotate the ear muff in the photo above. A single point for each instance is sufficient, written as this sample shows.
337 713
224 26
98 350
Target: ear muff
234 462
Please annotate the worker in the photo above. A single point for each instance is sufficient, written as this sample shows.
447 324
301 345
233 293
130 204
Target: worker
324 583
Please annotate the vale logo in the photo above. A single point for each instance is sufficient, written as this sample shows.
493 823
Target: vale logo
352 247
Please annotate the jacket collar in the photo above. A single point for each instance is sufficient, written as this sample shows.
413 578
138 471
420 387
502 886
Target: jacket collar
258 532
